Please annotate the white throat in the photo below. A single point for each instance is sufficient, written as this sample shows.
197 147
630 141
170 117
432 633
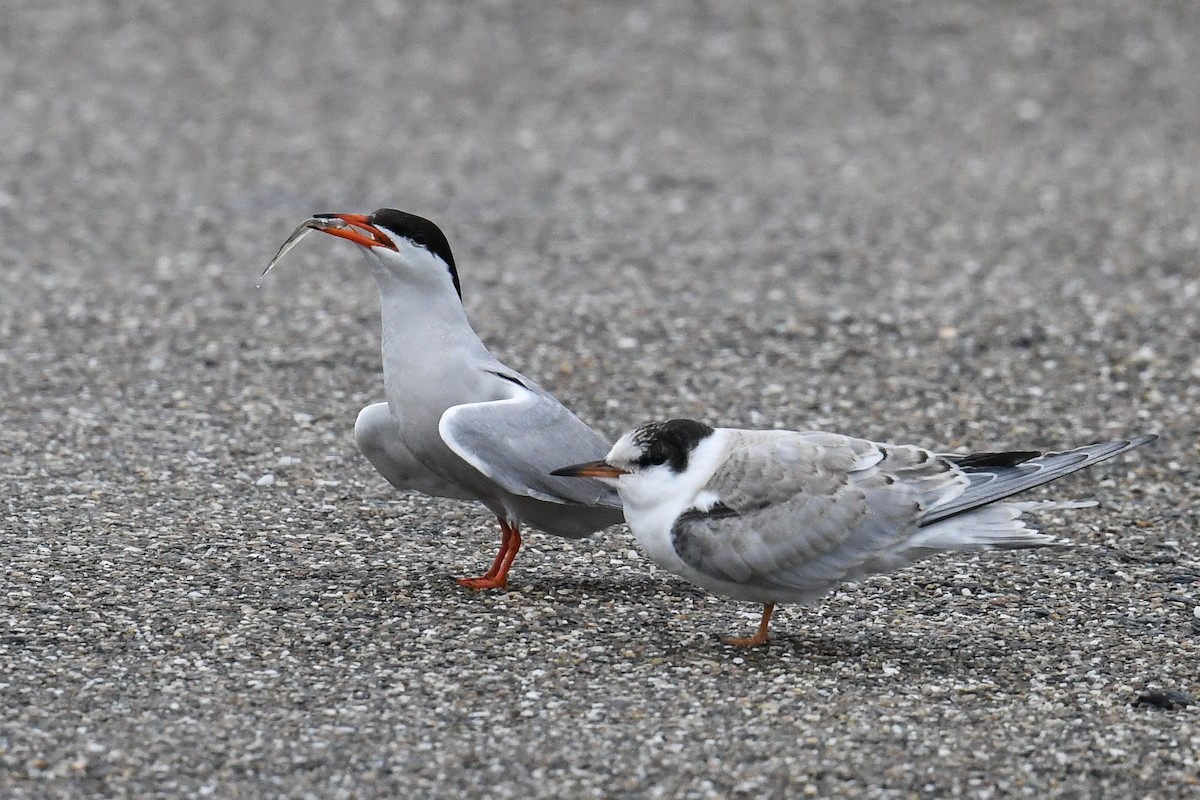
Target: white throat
654 499
427 341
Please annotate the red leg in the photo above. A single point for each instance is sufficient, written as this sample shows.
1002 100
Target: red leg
497 576
760 636
505 538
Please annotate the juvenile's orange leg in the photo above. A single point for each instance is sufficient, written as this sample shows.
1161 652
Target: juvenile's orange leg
497 576
760 636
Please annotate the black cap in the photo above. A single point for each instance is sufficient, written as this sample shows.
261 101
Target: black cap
670 442
419 231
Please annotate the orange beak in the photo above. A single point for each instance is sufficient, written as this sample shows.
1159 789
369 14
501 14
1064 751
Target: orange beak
358 229
355 227
591 469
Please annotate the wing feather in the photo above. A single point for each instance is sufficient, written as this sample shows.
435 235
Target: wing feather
988 483
377 433
799 512
517 441
802 510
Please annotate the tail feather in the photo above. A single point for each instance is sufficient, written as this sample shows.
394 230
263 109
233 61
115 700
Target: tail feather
995 527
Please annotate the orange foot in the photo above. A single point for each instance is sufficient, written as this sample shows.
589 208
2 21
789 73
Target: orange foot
484 582
760 636
497 576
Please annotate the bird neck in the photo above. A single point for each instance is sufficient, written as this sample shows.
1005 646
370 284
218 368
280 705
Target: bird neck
425 331
655 498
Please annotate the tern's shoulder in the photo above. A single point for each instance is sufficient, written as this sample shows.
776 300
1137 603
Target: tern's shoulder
815 446
511 384
751 453
764 467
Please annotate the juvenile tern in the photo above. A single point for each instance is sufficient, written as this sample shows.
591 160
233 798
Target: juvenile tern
783 516
458 423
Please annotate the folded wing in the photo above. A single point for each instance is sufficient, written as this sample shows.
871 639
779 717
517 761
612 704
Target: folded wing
519 440
799 512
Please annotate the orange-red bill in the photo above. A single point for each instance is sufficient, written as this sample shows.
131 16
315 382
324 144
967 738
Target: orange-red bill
358 229
591 469
354 227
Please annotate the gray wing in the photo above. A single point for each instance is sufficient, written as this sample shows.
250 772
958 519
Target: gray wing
798 512
994 476
377 434
519 440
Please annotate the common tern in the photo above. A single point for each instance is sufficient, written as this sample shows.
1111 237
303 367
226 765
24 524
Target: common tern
783 516
458 423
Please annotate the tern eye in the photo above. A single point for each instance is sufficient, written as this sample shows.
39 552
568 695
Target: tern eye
654 459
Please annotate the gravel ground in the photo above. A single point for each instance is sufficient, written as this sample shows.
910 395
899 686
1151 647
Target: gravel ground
961 224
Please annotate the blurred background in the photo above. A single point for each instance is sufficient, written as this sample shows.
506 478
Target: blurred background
620 182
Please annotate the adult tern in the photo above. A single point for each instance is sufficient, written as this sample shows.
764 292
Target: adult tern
458 423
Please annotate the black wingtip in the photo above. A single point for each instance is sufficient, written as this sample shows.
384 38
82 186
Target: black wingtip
1000 481
998 459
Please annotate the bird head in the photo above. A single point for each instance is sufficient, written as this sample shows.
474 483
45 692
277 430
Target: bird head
649 461
403 245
